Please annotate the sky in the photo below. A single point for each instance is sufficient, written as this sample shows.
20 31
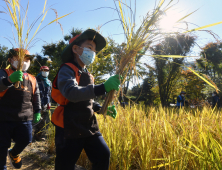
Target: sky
86 16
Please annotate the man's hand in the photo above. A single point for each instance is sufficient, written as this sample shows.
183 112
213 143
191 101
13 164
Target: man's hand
111 111
37 117
16 76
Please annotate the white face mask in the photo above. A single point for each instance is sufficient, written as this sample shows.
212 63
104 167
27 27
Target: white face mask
15 64
45 73
25 65
88 56
182 95
213 94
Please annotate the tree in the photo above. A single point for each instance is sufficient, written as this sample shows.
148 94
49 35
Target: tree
37 63
210 62
144 92
3 56
54 51
211 59
168 69
193 85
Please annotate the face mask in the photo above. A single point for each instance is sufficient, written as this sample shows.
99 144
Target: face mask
213 94
88 56
15 64
25 65
45 73
182 95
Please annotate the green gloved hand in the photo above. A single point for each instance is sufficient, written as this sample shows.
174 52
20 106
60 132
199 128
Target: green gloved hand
111 111
16 76
37 117
112 83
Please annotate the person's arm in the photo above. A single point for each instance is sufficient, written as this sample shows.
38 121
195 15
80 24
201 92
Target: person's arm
4 82
70 89
49 96
36 102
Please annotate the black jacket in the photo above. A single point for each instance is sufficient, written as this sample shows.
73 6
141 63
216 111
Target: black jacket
18 104
79 118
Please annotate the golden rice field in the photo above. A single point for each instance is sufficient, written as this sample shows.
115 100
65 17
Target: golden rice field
156 138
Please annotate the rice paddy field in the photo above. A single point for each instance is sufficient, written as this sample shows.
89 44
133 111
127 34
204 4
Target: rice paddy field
145 138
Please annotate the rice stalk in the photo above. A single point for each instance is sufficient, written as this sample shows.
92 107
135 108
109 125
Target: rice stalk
147 33
203 27
19 16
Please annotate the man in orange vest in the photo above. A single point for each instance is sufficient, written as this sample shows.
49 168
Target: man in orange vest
73 89
16 108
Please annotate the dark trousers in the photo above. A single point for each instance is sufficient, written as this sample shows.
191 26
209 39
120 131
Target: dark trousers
69 150
40 129
20 132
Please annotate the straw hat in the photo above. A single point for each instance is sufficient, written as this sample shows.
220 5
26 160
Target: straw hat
15 52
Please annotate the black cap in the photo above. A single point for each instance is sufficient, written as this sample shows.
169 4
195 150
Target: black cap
88 34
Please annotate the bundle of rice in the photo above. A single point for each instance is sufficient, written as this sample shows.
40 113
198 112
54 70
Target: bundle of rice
136 41
19 16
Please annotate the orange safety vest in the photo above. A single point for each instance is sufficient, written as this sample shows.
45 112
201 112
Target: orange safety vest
30 77
58 114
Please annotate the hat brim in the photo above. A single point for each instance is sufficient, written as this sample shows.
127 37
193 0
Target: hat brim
86 35
31 57
13 52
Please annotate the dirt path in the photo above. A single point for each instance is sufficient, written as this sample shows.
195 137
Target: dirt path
27 165
34 157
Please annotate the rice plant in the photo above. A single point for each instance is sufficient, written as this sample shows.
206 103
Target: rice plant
19 21
164 138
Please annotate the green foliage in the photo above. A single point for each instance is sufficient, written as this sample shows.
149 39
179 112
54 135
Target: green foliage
192 85
37 63
53 51
210 63
211 59
73 33
145 91
3 56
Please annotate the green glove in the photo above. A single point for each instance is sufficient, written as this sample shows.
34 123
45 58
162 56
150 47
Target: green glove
37 117
112 83
16 76
111 111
